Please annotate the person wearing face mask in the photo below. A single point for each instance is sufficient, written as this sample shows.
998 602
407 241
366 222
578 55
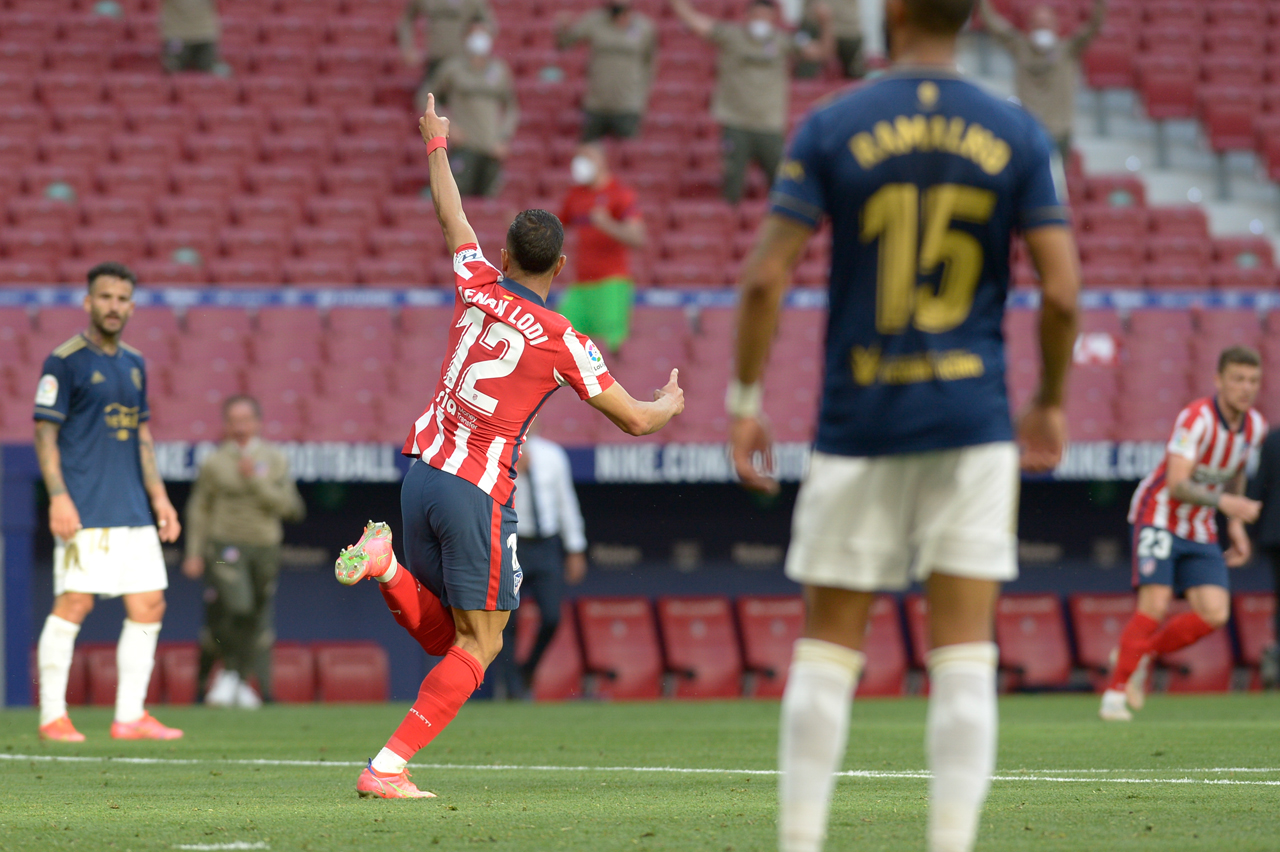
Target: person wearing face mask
623 47
603 212
447 25
752 78
483 110
1046 65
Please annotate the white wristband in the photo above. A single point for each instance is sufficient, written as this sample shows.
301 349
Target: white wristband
743 400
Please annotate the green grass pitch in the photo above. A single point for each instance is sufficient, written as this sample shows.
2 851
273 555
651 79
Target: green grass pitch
1192 773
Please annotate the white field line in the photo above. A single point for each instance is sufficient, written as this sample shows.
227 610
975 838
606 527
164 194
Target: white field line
1087 776
238 844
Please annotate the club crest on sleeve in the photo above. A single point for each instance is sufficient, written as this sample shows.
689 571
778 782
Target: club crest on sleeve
47 390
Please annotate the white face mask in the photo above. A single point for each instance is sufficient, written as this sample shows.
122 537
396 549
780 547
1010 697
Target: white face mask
479 43
582 169
1044 39
760 29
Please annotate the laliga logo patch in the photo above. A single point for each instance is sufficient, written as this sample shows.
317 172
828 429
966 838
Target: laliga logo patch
1147 567
468 256
47 390
594 356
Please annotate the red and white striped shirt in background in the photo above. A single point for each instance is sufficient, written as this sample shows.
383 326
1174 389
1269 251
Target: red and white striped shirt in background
507 353
1201 435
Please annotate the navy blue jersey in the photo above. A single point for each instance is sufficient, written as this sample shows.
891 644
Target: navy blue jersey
98 400
925 177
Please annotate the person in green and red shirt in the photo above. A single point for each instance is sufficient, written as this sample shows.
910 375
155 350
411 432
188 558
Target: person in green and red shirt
604 211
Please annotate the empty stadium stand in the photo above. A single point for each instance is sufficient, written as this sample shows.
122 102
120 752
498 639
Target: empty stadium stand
559 673
700 646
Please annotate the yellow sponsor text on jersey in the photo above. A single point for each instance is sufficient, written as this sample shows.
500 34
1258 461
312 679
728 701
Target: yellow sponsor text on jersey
909 134
121 418
869 368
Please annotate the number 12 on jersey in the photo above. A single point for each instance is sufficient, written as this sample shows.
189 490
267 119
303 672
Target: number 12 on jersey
896 217
500 338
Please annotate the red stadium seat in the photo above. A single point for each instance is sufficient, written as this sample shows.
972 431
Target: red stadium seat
205 181
229 272
319 273
181 213
1108 63
70 90
158 273
916 607
92 244
296 32
701 646
1032 635
331 245
275 215
770 626
1205 666
167 244
224 324
1183 220
20 60
559 673
93 122
408 246
1253 614
41 214
351 671
293 183
179 665
253 244
34 246
26 273
353 215
100 663
204 91
275 92
293 673
1234 278
339 93
157 152
885 646
1097 621
1244 252
119 212
384 272
271 61
620 644
78 58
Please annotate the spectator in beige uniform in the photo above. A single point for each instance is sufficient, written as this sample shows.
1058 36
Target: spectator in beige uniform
846 26
241 495
483 113
1046 65
447 25
753 75
623 46
189 30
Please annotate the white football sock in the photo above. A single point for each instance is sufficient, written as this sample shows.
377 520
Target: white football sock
389 763
814 732
53 658
390 573
960 738
135 657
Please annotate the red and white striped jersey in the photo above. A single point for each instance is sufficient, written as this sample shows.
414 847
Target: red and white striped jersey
507 353
1201 435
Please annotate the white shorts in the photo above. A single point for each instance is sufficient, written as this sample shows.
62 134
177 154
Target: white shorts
109 561
876 523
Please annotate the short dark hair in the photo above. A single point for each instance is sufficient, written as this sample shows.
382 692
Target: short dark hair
534 241
115 270
1245 355
941 17
237 399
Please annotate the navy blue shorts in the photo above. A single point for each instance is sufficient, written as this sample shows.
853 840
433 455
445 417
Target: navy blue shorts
1162 558
459 542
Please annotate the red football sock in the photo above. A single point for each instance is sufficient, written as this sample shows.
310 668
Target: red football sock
1179 632
443 692
1135 641
420 612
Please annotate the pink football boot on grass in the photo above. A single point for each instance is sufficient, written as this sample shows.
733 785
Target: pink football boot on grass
61 730
375 785
146 728
369 557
